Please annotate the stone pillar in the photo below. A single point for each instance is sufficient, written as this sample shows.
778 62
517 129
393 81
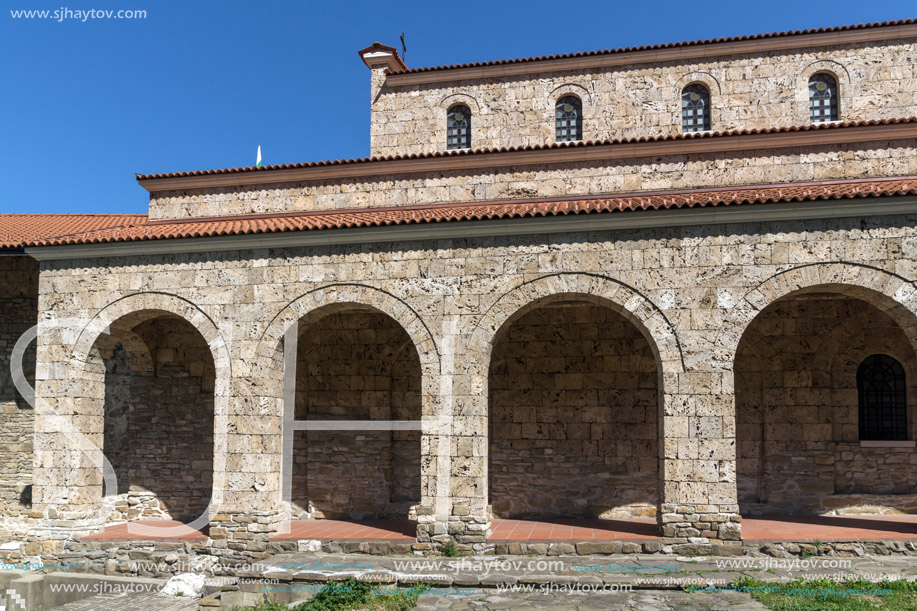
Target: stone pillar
18 313
699 500
68 431
454 463
469 515
251 510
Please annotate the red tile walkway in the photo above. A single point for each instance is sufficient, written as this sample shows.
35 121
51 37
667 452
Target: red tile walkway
637 529
769 529
395 531
119 532
757 530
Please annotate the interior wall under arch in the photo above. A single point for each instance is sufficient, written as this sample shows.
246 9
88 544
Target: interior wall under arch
356 365
158 431
798 447
573 412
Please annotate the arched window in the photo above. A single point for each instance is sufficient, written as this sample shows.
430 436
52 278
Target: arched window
822 98
883 408
695 109
568 123
458 128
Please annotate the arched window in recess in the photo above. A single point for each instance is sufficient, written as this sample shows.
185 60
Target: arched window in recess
883 407
568 124
695 109
822 98
458 128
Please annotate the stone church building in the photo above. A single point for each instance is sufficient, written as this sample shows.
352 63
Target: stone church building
672 282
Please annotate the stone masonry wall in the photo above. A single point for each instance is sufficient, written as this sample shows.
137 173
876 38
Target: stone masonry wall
357 365
797 410
159 428
753 91
692 290
573 424
557 180
18 312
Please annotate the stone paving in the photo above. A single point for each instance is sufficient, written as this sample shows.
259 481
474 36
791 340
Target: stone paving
648 600
568 586
642 600
641 570
131 601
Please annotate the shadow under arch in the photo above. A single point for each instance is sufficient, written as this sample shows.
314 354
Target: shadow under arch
799 338
594 288
307 307
651 323
314 305
119 318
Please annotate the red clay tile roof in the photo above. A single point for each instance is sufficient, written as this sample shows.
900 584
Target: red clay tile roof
142 230
19 229
558 145
670 45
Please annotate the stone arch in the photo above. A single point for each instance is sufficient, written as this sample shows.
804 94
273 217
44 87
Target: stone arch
704 78
889 292
126 312
317 302
111 325
844 83
460 98
633 305
576 89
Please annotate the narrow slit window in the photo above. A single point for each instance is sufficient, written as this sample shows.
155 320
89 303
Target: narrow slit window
569 119
695 109
882 399
822 98
458 128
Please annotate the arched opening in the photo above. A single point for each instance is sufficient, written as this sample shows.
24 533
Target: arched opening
158 409
573 414
823 98
355 363
799 443
18 312
458 128
695 108
568 119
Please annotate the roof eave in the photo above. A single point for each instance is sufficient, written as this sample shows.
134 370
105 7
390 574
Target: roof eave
640 219
904 129
674 53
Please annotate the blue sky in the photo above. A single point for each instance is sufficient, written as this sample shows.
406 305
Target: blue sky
199 85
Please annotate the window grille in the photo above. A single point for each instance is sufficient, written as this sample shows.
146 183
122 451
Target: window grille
569 119
883 406
822 98
458 128
695 109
